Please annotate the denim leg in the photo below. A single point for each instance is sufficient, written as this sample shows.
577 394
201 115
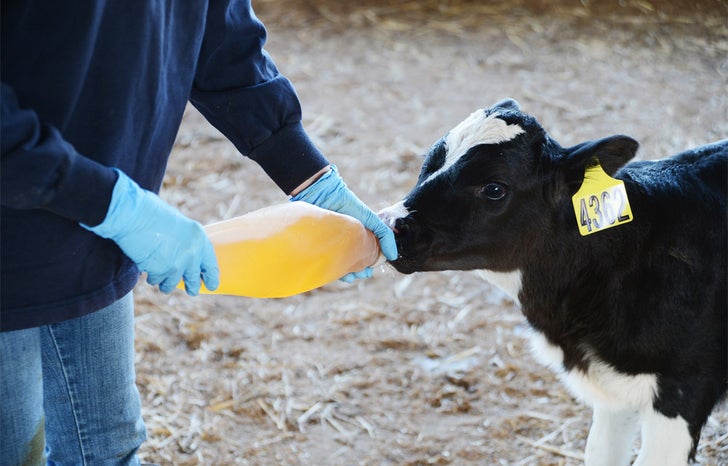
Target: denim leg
92 406
22 440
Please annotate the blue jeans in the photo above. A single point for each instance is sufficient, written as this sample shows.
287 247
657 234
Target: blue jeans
68 393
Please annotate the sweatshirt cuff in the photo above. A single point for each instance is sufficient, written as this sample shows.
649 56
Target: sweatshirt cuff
289 157
85 191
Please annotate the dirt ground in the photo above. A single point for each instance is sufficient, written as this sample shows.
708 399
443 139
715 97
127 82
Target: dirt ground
429 368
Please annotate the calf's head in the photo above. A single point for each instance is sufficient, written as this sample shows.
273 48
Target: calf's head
492 188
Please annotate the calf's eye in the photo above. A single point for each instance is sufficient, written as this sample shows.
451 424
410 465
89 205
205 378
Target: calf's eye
492 191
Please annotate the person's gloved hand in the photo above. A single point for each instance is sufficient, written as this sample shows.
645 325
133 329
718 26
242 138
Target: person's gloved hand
331 193
158 238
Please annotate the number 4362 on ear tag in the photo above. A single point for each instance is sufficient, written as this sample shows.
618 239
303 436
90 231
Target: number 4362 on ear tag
601 202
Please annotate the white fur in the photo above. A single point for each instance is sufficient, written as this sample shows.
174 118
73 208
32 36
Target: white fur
479 128
665 441
601 383
509 282
390 215
549 355
611 436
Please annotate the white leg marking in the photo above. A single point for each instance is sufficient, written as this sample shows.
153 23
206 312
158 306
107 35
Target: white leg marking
479 128
665 441
611 436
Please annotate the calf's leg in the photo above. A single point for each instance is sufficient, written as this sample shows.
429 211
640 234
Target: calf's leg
611 436
665 441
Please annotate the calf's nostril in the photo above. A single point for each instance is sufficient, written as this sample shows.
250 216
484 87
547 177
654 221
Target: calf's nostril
400 227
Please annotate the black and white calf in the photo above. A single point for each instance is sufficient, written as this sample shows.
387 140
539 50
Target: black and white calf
623 283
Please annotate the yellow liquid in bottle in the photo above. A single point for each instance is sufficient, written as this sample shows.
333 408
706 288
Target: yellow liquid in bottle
288 249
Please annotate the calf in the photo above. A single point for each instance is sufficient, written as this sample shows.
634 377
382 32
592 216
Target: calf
619 269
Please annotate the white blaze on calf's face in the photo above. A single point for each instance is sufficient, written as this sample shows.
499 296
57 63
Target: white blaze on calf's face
479 128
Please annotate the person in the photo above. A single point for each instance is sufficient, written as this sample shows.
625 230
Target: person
93 93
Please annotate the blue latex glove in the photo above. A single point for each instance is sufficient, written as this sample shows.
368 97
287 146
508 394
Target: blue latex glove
331 193
158 238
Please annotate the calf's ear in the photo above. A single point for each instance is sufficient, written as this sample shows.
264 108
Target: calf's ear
507 104
613 153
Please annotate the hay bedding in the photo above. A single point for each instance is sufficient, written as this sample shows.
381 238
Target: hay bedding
427 368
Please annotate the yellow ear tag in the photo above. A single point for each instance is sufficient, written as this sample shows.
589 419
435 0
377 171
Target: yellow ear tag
601 202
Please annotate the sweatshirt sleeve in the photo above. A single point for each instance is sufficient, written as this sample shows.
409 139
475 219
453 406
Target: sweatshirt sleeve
238 88
40 170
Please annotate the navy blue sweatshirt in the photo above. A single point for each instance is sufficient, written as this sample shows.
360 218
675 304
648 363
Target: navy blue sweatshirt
93 84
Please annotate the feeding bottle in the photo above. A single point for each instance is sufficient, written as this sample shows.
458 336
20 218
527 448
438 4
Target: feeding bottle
287 249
